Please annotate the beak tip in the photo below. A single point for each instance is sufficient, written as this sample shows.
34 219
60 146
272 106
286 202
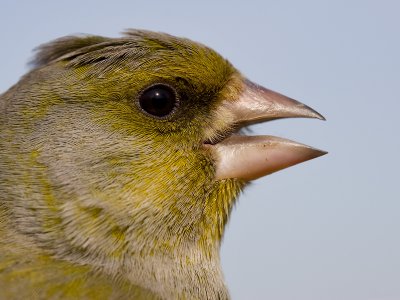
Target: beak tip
318 153
312 113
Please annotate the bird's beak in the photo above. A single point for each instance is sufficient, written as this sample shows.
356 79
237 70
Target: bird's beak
251 157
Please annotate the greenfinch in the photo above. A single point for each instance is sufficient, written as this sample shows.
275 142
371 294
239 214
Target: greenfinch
120 161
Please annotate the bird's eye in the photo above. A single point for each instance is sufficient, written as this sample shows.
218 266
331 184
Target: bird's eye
158 100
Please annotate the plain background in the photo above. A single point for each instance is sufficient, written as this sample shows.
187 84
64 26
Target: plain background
325 229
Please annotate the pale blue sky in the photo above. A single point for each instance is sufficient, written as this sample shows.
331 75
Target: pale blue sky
324 230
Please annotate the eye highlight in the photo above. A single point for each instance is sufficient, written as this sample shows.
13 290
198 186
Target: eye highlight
158 100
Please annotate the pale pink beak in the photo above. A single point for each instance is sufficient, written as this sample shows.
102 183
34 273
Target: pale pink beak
251 157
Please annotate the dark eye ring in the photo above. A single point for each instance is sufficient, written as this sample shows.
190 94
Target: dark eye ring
158 100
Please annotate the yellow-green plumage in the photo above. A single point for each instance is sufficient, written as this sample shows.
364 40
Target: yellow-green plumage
119 167
100 200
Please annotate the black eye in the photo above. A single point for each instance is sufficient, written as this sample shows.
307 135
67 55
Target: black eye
158 100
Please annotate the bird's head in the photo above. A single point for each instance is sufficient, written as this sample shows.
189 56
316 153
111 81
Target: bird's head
128 147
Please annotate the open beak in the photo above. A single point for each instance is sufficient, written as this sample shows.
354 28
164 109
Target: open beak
251 157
